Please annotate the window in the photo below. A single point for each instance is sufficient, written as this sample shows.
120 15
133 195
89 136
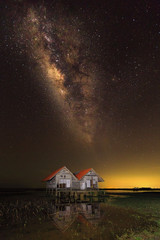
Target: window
88 183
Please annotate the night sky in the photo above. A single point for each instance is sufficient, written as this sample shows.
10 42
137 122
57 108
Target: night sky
80 87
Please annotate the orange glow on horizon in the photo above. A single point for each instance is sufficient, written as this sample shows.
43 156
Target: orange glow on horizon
130 181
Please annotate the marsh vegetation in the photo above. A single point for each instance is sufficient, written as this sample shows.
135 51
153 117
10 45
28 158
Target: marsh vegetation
120 216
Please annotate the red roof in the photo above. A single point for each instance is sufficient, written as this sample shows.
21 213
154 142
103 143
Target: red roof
52 174
80 174
83 220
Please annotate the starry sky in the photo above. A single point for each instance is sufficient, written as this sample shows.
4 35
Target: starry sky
80 87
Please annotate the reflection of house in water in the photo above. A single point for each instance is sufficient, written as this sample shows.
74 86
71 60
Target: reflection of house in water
91 212
65 215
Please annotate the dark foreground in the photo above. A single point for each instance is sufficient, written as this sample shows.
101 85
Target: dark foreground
30 215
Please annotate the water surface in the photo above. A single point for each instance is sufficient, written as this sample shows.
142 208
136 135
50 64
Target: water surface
33 216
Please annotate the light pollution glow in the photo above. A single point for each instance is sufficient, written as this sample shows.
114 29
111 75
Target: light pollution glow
131 178
131 181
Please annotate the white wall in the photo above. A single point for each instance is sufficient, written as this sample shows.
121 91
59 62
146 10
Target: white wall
62 177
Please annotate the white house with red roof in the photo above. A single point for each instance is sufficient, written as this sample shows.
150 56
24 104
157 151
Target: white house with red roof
88 179
63 178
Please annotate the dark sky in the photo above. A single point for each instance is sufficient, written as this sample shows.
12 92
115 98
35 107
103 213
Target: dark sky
80 87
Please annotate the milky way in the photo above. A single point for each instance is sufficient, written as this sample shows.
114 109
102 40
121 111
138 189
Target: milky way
60 50
79 87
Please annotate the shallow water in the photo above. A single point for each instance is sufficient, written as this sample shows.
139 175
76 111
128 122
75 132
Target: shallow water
36 217
65 221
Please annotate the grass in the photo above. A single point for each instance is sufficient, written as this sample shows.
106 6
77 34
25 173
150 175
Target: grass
127 222
148 204
122 217
20 212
